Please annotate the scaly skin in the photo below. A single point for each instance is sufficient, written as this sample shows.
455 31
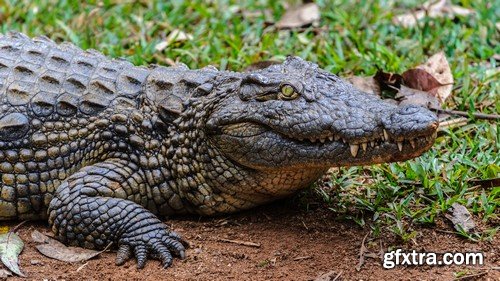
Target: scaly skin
101 147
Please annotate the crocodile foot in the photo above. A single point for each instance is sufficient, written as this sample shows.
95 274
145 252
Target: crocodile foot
144 242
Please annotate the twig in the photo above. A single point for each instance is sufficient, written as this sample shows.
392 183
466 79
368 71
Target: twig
239 242
486 183
465 114
107 247
302 258
337 277
82 266
457 122
18 226
445 231
362 251
267 216
304 224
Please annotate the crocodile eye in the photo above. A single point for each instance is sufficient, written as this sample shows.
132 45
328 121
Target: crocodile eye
288 92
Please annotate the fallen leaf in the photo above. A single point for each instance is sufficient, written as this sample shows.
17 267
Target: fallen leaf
457 10
428 84
432 9
10 248
420 79
329 276
4 229
4 273
174 36
388 81
438 66
407 96
461 218
366 84
57 250
39 237
250 15
299 16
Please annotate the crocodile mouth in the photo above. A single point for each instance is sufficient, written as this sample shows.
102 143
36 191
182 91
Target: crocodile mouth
377 143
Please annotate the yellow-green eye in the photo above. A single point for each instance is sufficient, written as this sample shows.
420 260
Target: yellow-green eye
288 92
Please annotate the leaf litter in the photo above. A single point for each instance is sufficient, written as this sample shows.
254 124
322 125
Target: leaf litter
11 246
300 16
428 84
175 36
461 218
56 250
431 9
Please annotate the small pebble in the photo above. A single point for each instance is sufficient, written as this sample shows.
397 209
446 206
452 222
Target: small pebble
36 262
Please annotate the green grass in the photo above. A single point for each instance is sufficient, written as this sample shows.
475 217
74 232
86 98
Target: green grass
357 39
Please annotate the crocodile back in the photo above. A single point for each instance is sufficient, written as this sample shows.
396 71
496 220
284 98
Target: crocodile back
49 94
46 80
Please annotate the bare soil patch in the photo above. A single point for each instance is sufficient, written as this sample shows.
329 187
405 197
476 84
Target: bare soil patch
295 244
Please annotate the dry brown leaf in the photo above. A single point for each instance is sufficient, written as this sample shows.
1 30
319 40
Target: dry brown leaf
428 84
420 79
4 273
299 16
432 9
329 276
262 13
388 81
174 36
366 84
438 68
57 250
408 96
461 218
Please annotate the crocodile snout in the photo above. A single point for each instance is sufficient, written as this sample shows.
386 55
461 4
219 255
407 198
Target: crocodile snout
410 121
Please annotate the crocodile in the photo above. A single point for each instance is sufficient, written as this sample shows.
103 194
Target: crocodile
103 149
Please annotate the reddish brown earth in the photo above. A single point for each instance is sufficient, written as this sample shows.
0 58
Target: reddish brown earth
294 245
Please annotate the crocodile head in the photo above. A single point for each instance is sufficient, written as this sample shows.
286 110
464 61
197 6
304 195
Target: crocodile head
297 116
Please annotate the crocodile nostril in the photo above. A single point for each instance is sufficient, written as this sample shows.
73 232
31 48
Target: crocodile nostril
410 109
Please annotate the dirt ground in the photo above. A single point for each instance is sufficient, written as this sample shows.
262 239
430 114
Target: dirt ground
294 245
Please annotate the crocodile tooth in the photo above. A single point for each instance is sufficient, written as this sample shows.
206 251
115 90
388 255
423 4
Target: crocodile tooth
330 138
313 140
343 140
400 145
412 142
322 140
372 143
354 149
364 146
386 135
336 137
301 139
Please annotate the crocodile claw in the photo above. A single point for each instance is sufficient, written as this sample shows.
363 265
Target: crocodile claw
158 244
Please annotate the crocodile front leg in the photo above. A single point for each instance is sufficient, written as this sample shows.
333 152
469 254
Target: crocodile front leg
90 209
